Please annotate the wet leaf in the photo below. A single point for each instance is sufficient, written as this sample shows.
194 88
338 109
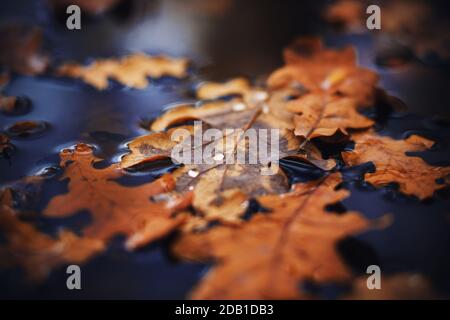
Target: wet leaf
334 87
319 115
269 256
115 209
132 70
325 71
392 164
221 190
36 252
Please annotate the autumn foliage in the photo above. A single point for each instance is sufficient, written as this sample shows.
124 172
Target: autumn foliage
315 97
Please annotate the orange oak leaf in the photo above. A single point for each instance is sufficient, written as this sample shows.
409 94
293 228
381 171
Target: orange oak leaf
115 209
327 71
36 252
392 164
324 116
333 89
132 70
269 256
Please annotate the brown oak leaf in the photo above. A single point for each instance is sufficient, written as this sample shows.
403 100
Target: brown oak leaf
221 190
36 252
333 89
132 70
328 71
115 209
392 164
325 116
269 256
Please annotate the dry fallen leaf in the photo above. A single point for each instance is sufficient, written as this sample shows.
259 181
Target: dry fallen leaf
269 256
34 251
132 70
115 209
413 174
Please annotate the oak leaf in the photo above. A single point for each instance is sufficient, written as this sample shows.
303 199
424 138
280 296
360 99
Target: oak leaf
334 87
132 70
115 209
326 71
36 252
392 164
269 256
221 190
325 116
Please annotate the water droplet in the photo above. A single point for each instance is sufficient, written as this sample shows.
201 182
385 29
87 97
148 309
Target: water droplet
49 172
239 106
193 173
219 157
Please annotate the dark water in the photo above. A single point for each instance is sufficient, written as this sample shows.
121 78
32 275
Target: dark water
246 39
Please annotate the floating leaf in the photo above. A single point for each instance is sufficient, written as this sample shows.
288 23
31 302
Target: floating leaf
392 164
269 256
324 116
36 252
221 189
131 71
115 209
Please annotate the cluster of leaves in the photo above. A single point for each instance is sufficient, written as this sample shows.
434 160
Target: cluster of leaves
313 98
